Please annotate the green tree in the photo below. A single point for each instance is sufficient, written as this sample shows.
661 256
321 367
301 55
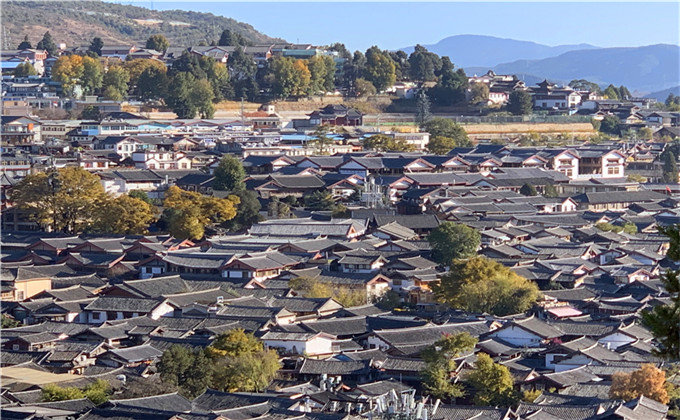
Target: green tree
201 96
389 301
479 93
482 285
66 200
52 392
380 69
248 211
440 145
115 83
124 215
385 143
439 359
9 322
445 127
624 93
243 71
492 383
585 85
320 201
136 67
178 96
96 45
313 288
229 174
550 191
47 44
451 85
363 88
98 392
140 195
646 133
451 241
322 140
322 72
25 44
422 108
664 320
423 64
528 190
611 92
241 363
93 75
250 372
191 370
520 102
91 113
610 124
231 39
153 83
158 42
670 168
24 70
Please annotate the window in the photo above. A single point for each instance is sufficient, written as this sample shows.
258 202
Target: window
21 295
15 347
96 315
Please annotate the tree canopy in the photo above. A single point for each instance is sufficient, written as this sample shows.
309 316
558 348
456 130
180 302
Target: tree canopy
190 212
68 199
452 240
439 359
520 102
445 128
385 143
648 381
158 43
492 383
664 320
482 285
229 174
380 69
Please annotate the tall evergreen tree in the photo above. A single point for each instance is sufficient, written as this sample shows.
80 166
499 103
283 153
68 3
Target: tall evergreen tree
48 44
422 108
670 168
96 45
25 44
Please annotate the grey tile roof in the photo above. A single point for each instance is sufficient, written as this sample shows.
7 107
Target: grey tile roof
329 367
165 402
105 303
137 353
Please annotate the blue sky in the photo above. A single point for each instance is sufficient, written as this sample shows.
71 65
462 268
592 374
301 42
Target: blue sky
393 25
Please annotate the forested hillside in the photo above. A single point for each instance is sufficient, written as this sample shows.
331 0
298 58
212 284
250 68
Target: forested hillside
77 22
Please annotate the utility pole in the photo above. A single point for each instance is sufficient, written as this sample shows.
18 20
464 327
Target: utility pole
243 118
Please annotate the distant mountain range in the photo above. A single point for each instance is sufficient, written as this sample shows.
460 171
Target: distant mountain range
643 69
488 51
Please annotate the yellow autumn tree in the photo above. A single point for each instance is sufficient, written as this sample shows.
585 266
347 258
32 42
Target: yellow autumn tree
125 215
66 200
303 76
188 213
649 381
68 70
